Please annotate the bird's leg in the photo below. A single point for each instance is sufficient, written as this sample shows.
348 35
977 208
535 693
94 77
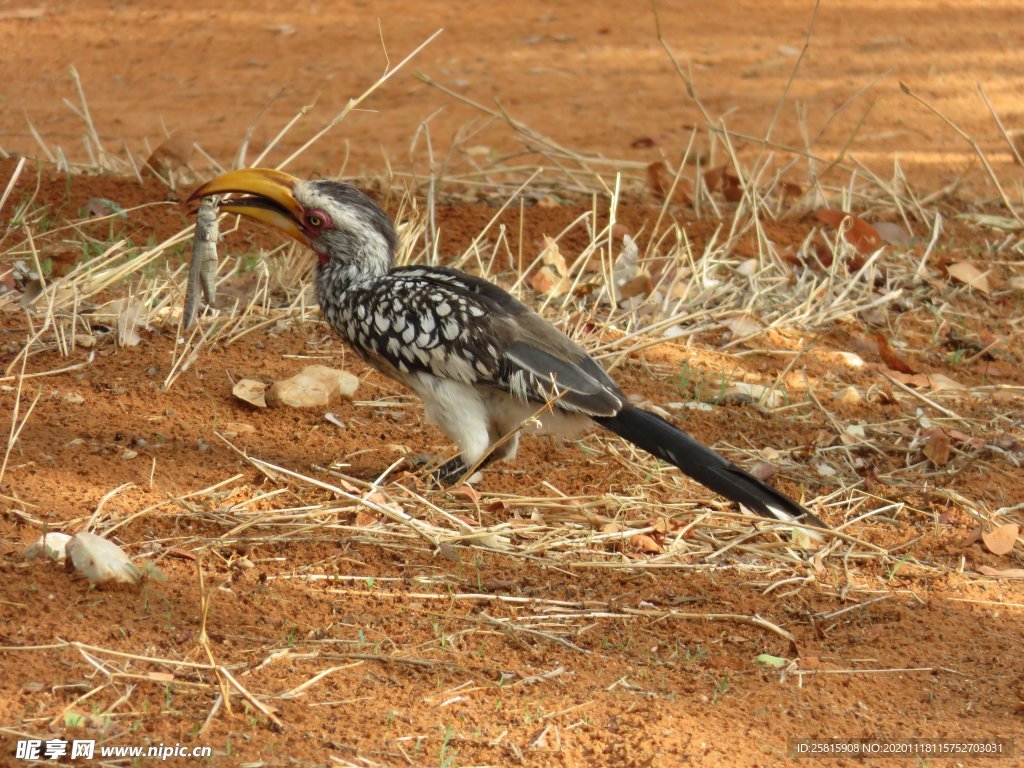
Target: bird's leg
452 471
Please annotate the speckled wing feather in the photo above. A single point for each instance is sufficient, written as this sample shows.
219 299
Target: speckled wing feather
445 322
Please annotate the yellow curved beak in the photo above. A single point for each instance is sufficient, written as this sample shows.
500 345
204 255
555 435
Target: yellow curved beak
270 198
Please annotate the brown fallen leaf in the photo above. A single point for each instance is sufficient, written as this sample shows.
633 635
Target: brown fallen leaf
937 446
365 519
552 279
742 326
659 181
639 285
468 491
646 543
942 381
973 537
614 544
251 391
172 155
889 356
63 261
858 233
545 281
968 274
712 177
1000 541
790 191
893 233
974 443
731 189
763 470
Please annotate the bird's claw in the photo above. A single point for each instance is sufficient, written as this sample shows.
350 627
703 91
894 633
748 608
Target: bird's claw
445 473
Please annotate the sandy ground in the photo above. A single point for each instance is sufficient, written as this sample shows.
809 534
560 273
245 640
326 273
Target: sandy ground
427 655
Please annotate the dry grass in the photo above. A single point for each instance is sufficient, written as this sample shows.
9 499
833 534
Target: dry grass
699 290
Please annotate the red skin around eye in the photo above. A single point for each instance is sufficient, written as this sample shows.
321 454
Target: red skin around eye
324 222
312 232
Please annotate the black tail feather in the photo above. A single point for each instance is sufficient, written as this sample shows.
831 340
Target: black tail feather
671 444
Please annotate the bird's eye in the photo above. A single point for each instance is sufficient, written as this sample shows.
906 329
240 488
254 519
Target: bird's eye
315 220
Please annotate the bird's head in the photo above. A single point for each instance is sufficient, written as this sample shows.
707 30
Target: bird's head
344 227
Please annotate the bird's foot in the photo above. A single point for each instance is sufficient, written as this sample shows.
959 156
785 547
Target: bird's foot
446 473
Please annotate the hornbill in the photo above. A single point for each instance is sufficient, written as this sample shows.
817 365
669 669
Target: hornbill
483 363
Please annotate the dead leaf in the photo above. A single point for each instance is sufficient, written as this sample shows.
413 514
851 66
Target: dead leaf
731 189
365 519
251 391
231 428
615 544
968 274
937 447
639 285
172 155
63 261
129 319
1001 573
345 485
96 207
660 179
848 396
790 192
545 281
552 279
942 381
893 233
1000 541
742 326
468 491
858 233
889 356
748 267
646 543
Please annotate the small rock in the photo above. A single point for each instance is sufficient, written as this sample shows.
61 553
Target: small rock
237 428
313 387
848 396
298 392
251 391
53 545
101 561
